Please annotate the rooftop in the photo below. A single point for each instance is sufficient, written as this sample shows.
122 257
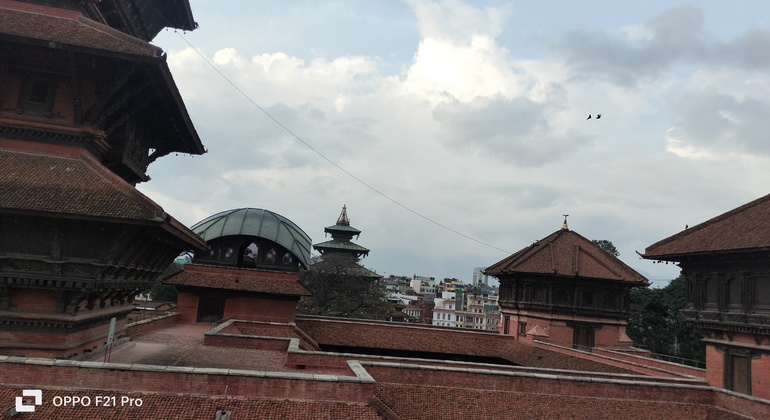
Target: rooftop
742 228
566 253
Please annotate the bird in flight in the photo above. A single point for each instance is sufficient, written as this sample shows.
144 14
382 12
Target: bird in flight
598 116
589 117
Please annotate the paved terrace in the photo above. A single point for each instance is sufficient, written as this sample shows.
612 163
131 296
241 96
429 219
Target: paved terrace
182 344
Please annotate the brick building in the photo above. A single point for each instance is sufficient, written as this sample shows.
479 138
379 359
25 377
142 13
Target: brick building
247 271
725 260
564 289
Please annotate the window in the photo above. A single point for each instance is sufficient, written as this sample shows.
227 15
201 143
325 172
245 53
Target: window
522 328
270 256
37 96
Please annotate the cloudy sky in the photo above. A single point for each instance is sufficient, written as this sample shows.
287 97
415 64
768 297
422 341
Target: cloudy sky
456 132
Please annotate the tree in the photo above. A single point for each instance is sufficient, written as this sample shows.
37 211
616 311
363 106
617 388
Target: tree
656 322
165 292
607 246
341 287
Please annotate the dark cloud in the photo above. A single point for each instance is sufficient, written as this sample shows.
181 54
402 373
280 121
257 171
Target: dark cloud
514 130
721 122
677 36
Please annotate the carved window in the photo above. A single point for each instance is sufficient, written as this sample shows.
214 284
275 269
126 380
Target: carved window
711 294
562 297
37 96
287 259
587 298
270 256
229 253
734 295
608 301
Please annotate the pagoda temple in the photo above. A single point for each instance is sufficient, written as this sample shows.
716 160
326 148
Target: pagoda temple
566 290
342 235
86 105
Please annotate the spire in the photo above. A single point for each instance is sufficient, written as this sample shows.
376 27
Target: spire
343 219
564 226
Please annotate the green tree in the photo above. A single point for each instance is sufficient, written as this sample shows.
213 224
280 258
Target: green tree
343 288
165 292
656 322
607 246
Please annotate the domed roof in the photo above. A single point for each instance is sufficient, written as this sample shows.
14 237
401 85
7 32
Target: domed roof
257 222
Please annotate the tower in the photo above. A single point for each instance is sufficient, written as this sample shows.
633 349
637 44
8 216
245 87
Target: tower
342 235
86 105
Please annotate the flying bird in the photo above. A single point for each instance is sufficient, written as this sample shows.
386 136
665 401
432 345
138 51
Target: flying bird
598 116
589 117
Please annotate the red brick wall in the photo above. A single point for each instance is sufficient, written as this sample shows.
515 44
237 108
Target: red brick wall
33 300
187 306
150 324
30 375
260 309
672 367
760 377
247 342
714 367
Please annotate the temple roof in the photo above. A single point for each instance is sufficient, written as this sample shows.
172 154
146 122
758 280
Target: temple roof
743 228
67 29
342 234
567 254
257 222
70 182
247 280
63 29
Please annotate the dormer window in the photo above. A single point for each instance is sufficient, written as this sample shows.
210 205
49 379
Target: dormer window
37 97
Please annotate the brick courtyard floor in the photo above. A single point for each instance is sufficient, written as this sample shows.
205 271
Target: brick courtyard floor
182 345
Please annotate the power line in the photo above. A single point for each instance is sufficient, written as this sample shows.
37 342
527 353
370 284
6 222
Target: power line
316 151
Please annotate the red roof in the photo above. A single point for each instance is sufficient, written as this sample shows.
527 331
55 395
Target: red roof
568 254
51 26
742 228
72 183
228 278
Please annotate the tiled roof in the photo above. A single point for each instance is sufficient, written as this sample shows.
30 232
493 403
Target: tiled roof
269 282
180 407
76 184
53 26
568 254
745 227
73 183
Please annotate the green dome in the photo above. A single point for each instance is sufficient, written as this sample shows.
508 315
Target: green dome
257 222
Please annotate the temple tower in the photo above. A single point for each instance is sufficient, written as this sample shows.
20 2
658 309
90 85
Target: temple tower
86 105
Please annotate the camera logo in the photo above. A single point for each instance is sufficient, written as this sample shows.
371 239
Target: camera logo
23 408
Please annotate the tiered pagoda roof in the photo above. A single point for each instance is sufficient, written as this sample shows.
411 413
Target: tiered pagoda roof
342 234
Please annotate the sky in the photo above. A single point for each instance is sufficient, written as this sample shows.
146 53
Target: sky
456 133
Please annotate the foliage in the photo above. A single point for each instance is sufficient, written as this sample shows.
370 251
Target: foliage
343 288
656 322
607 246
165 292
